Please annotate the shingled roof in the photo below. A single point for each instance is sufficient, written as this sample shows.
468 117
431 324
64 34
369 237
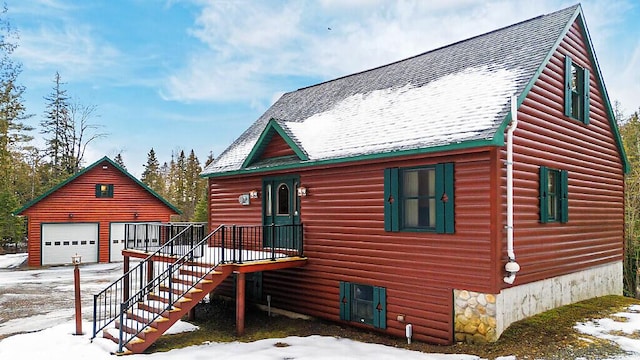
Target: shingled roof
454 96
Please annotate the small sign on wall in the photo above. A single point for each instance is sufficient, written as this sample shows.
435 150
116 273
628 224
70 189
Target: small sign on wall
244 199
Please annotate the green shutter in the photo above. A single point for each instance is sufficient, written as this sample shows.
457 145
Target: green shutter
391 200
98 191
585 96
440 212
564 196
445 216
544 180
345 301
449 208
110 190
380 307
567 85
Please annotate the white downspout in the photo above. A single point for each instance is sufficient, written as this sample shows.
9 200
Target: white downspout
511 266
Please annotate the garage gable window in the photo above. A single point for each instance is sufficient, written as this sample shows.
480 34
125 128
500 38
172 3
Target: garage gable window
104 190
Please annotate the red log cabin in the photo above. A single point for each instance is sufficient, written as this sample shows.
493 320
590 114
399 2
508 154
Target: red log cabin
86 213
458 190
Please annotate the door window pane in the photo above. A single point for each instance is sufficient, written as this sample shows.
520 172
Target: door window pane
268 206
283 199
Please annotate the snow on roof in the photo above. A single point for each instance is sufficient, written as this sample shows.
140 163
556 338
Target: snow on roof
454 94
455 108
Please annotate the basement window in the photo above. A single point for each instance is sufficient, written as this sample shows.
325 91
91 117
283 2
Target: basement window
104 190
364 304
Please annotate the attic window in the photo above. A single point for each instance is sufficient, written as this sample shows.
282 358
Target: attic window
576 94
104 190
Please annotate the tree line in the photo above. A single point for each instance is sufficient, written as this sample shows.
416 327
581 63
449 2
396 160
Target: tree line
66 129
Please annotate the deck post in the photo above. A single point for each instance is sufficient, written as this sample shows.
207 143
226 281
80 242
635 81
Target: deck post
240 287
125 288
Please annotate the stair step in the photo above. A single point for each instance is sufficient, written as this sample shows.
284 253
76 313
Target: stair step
164 297
145 316
155 306
114 335
132 326
179 289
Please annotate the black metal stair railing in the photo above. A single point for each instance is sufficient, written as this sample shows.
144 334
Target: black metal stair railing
106 303
234 244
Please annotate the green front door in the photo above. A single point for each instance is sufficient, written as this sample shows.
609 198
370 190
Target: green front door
280 207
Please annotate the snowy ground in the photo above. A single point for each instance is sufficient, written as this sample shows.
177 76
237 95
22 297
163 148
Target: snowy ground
36 321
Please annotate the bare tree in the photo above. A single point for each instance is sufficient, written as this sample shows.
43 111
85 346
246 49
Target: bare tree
81 133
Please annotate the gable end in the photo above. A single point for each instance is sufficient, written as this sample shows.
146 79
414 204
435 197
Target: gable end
271 138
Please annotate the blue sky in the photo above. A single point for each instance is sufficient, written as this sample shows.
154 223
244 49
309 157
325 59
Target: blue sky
194 74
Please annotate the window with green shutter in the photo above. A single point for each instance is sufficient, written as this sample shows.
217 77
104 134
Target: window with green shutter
419 199
576 91
104 190
554 195
364 304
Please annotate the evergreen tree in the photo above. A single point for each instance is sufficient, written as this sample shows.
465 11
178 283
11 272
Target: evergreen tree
118 160
56 126
151 176
13 134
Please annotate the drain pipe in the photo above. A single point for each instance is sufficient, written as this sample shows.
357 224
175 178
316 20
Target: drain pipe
511 266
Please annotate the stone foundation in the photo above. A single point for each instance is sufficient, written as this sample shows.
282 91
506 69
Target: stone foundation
475 317
480 318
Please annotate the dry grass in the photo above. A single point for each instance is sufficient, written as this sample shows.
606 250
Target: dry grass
549 335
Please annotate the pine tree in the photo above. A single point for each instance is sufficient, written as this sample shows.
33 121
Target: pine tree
151 176
13 134
118 160
56 126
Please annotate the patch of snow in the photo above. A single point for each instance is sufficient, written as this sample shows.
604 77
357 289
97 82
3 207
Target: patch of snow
614 330
11 261
36 322
181 327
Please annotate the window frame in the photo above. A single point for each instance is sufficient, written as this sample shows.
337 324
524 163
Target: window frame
378 304
100 193
581 93
394 209
561 195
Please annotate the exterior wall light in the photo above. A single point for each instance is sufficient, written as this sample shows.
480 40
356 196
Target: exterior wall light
135 215
70 215
302 191
253 194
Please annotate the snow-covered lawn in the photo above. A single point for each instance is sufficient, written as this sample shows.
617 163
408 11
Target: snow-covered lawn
36 315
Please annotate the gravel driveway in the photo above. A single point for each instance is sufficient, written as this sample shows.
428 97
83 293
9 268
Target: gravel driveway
35 299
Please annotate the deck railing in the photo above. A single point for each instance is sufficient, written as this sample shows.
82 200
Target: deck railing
226 244
106 303
148 237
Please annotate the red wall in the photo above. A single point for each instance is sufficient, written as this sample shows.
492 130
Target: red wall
545 136
78 198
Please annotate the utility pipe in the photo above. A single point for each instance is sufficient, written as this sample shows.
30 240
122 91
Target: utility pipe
511 266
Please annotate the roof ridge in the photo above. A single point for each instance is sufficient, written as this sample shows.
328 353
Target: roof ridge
436 49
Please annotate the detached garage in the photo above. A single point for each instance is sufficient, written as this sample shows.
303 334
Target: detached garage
86 213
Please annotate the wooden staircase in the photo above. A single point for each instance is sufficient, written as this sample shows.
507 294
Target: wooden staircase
151 315
135 310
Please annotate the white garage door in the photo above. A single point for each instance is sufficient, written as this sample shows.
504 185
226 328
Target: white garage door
61 241
116 242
